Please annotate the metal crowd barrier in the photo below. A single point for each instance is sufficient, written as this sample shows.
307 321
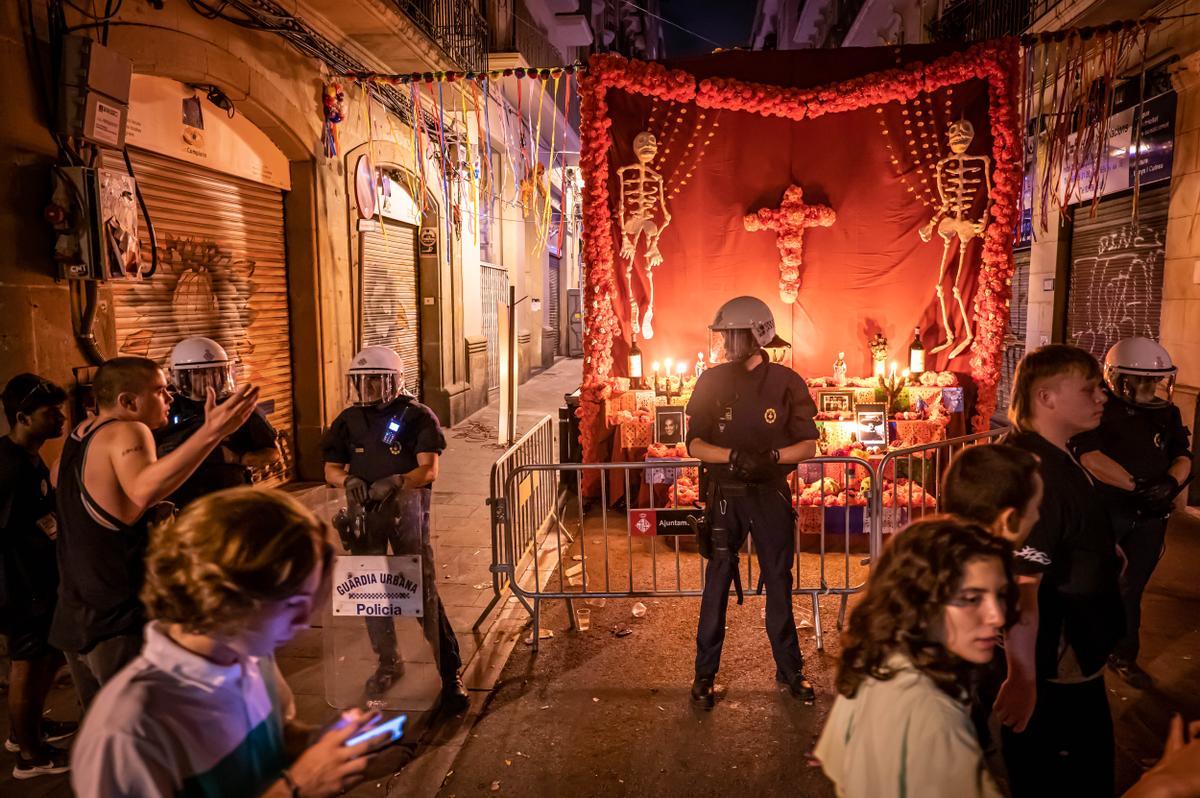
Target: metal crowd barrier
928 462
552 541
537 505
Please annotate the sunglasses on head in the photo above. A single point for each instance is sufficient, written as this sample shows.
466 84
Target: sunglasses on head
43 385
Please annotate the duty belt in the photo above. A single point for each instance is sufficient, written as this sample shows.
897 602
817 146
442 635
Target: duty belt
736 488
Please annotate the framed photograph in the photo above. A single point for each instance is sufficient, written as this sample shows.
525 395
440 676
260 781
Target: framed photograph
668 424
835 402
872 423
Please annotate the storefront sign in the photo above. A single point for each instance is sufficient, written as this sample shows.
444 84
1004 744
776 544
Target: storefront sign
428 241
650 523
1155 151
378 586
173 119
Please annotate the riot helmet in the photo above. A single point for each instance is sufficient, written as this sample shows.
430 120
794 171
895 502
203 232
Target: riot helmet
198 364
742 326
1139 371
375 377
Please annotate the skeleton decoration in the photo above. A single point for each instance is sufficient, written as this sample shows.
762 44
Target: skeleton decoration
789 222
643 214
961 181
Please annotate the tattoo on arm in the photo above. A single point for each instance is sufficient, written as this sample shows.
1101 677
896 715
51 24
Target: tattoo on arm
139 448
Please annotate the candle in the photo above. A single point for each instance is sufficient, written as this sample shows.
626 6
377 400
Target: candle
879 368
654 367
892 376
905 374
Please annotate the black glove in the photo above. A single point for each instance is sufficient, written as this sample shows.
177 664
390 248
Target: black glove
1155 495
356 490
1155 489
382 489
754 466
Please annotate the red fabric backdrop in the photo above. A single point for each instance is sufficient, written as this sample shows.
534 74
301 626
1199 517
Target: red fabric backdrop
869 272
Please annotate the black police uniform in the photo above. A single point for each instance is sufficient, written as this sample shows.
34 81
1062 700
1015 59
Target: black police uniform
1067 748
355 439
766 408
1145 441
213 474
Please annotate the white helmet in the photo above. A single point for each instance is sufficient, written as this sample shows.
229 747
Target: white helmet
746 324
200 363
1135 368
375 376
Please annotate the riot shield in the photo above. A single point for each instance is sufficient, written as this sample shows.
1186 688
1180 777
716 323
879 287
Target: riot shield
382 623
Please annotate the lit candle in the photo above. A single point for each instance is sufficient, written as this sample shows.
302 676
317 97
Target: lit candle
654 367
879 368
892 376
680 369
905 374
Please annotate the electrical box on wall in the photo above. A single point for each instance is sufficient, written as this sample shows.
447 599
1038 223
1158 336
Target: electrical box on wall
95 92
94 213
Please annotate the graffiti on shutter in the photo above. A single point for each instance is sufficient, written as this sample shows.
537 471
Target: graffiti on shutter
1117 271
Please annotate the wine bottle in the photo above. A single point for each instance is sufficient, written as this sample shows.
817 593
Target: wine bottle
916 354
635 364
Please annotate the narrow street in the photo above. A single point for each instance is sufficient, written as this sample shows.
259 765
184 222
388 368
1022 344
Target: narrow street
594 714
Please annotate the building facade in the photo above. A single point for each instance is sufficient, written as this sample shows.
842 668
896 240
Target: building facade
289 246
1096 274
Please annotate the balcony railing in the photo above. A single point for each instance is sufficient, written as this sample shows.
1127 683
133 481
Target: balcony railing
976 20
843 14
457 26
518 32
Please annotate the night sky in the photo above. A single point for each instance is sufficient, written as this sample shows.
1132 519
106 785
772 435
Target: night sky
724 21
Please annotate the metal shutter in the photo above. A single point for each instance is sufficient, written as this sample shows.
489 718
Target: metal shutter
555 270
1014 337
1117 271
494 282
221 274
390 315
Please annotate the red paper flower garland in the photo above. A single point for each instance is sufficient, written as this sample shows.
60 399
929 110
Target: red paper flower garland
994 61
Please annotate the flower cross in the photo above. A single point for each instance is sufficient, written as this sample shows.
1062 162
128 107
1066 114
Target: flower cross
789 221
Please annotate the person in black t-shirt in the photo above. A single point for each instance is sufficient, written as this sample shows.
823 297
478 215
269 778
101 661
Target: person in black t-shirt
196 365
381 450
752 420
29 586
1058 734
1139 456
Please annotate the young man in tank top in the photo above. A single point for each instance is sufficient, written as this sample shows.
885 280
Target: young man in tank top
109 481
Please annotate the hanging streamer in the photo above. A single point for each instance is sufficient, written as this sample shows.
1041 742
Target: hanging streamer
562 211
470 153
448 210
547 215
419 147
484 168
487 125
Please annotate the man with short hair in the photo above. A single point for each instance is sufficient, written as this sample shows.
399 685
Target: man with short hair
1058 735
29 573
109 480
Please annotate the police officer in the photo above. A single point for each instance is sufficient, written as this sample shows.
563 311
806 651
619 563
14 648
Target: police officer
198 364
1139 454
751 421
387 443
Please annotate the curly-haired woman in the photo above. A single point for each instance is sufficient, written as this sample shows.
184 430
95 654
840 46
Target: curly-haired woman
203 710
940 594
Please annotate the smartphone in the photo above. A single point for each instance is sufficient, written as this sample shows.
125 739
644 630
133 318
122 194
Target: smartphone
392 730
